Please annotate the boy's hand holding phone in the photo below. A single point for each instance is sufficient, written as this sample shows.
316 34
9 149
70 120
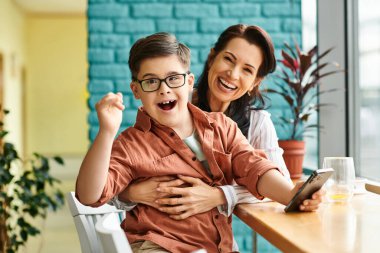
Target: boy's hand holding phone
311 204
308 195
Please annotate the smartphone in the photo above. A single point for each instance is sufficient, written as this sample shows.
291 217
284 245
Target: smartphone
312 184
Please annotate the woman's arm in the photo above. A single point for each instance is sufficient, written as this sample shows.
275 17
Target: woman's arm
262 135
159 192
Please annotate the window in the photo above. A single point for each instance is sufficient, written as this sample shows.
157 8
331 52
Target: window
309 32
352 128
368 95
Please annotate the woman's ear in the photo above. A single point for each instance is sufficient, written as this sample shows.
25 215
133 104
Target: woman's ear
211 57
256 83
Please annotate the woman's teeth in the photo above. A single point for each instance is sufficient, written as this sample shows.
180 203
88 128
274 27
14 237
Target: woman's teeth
227 85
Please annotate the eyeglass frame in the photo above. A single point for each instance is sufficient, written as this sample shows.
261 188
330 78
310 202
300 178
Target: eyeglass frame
161 80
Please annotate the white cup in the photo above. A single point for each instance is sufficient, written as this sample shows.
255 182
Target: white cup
340 186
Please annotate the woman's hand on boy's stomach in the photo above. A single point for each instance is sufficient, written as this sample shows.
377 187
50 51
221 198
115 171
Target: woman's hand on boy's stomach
145 192
193 198
110 113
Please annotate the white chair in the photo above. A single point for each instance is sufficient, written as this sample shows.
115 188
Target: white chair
85 219
113 238
99 228
111 235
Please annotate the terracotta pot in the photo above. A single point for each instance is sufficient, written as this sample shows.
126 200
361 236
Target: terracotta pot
294 152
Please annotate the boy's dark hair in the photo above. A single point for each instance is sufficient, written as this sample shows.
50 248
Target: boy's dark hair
157 45
238 109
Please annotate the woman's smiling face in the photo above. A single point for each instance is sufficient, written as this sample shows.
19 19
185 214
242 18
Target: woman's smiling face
233 71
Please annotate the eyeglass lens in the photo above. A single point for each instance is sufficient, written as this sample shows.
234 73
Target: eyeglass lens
173 81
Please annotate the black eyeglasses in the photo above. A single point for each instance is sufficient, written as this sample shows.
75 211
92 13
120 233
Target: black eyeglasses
153 84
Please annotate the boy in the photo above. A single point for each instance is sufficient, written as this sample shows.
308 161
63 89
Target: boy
155 146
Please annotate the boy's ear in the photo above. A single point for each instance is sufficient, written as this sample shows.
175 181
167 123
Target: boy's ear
191 80
135 90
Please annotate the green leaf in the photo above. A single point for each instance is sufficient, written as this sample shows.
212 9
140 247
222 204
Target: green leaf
59 160
3 133
37 155
11 250
24 235
21 222
33 231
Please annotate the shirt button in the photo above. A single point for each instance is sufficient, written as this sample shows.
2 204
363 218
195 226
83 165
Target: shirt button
194 158
172 134
217 216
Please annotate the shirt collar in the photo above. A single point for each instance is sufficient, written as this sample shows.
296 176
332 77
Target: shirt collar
143 120
199 114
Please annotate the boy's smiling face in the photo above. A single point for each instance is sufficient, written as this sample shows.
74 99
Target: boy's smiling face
168 106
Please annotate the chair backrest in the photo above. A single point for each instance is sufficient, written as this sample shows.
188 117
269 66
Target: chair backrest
112 237
85 218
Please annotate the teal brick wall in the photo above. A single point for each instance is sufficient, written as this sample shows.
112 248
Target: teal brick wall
114 25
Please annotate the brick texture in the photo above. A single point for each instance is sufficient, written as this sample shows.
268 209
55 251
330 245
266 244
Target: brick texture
114 25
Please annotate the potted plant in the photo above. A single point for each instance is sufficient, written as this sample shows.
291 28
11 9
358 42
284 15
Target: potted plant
299 78
27 191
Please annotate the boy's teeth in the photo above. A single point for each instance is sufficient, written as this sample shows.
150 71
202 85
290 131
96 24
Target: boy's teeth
167 102
167 105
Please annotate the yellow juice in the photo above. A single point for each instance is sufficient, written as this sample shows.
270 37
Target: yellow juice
339 196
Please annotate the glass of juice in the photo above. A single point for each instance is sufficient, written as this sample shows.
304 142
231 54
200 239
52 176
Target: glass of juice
340 186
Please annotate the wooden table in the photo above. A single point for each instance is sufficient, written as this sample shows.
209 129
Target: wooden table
353 227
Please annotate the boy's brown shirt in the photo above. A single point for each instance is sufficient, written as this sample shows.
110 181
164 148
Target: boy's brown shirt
149 149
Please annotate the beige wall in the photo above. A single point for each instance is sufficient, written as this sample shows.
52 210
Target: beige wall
56 91
52 51
57 113
12 47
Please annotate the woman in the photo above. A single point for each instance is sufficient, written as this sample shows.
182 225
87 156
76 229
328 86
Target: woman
236 65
